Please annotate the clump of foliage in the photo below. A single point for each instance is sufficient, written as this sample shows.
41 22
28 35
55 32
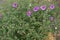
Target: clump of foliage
20 21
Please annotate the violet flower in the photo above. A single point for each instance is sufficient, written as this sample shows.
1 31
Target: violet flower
14 5
52 6
51 18
29 13
58 5
43 7
36 8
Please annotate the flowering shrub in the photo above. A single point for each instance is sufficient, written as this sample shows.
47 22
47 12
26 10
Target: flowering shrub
26 20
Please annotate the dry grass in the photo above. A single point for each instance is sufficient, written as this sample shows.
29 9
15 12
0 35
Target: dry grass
50 36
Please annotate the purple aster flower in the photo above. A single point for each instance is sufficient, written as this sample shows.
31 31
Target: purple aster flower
52 6
36 8
51 18
14 5
43 7
58 5
29 13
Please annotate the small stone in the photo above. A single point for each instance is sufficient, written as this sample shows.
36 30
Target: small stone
55 27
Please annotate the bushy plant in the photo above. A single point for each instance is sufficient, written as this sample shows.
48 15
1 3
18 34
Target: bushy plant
26 19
